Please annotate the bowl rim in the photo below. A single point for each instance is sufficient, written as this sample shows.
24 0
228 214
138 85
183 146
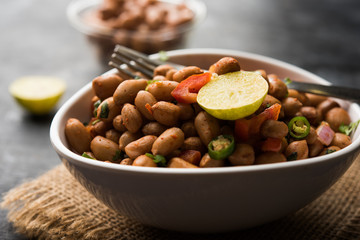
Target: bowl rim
62 150
76 7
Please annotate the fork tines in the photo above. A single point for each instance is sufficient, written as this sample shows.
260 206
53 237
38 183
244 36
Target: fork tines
126 59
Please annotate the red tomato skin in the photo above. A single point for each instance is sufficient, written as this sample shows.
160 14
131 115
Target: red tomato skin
244 128
271 144
191 156
186 91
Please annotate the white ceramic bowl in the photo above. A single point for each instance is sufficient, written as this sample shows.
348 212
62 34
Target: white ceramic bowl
206 200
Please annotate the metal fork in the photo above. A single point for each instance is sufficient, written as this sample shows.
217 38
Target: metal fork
125 59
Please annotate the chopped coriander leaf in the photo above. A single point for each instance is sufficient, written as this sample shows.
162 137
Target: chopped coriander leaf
117 156
95 122
344 129
150 82
96 105
163 56
87 155
158 159
347 129
149 155
104 113
292 156
287 93
287 81
329 151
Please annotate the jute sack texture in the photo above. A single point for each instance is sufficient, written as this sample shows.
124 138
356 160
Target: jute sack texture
56 206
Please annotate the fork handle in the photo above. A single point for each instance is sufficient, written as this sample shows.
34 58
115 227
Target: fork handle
330 91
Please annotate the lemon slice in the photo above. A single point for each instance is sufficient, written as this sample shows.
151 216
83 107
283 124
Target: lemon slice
37 94
233 95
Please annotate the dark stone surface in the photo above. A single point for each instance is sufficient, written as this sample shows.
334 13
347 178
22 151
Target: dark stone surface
36 39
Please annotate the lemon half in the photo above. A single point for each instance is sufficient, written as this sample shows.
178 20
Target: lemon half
233 95
37 94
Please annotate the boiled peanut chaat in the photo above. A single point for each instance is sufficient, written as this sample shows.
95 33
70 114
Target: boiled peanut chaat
190 118
144 25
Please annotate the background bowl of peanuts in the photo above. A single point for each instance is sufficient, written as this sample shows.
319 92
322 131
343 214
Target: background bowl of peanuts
145 25
205 200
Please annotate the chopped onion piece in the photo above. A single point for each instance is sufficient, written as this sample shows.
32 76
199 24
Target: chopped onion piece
325 133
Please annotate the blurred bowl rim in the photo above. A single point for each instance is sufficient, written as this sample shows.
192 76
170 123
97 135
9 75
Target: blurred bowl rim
61 148
78 7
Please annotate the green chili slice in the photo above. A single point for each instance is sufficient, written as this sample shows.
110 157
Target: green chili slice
221 147
299 127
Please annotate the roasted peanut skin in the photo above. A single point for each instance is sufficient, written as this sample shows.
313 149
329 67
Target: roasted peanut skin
143 118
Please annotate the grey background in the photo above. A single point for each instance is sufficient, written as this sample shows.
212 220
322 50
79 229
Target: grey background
36 39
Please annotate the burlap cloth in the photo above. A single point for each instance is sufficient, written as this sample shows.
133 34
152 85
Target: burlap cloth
55 206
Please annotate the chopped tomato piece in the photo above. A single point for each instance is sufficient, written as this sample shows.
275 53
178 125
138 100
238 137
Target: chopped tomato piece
272 112
271 144
191 156
242 129
148 107
246 127
186 91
